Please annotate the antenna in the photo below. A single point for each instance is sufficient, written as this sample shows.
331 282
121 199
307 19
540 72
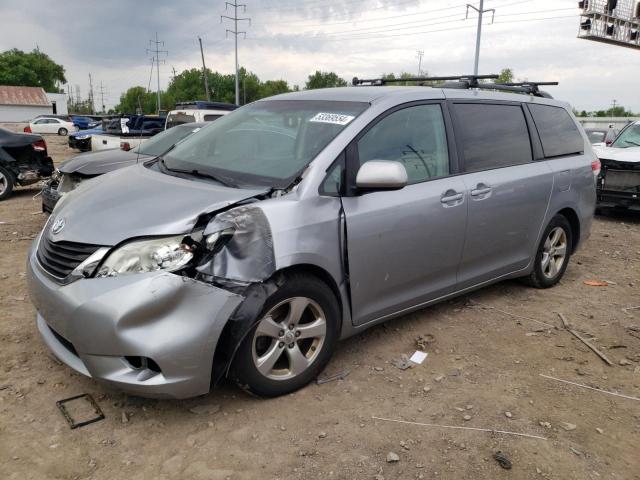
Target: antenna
235 33
156 49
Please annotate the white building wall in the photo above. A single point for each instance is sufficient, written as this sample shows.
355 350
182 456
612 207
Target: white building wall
60 99
22 113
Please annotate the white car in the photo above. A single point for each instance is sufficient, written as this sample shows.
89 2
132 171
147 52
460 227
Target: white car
50 125
189 112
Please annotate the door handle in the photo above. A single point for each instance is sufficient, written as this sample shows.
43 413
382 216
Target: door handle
451 197
481 189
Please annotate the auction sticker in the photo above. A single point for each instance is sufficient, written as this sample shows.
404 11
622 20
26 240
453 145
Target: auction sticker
335 118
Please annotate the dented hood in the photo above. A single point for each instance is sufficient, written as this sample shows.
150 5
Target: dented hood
137 201
630 154
102 161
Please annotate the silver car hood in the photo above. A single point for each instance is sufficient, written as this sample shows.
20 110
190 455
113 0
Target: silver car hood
136 201
102 161
629 154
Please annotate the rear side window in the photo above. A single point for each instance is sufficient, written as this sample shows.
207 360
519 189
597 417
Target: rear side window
211 117
492 136
558 132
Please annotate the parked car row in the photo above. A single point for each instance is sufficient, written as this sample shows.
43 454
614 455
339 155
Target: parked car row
250 247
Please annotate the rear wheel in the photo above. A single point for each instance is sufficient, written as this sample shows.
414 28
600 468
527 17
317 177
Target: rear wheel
6 183
63 132
293 340
553 254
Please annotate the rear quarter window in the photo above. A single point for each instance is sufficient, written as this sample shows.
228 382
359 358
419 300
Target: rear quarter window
492 135
558 132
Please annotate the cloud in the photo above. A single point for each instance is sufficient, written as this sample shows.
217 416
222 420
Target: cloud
290 39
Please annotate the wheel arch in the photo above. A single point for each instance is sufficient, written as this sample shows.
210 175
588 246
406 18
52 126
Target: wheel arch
574 221
233 332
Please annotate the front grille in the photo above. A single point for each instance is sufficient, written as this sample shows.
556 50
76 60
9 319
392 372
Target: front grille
61 258
622 181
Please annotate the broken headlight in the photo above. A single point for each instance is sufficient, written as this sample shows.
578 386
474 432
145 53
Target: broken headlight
140 256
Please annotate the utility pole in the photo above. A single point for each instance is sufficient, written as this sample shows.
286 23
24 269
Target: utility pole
480 11
91 104
419 56
102 92
156 49
204 72
235 33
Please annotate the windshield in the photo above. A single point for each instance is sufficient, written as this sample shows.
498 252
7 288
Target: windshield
266 143
630 137
596 136
162 142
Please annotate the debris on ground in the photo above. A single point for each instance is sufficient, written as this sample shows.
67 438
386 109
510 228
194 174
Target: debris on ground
338 376
508 414
205 409
597 389
401 363
568 426
423 340
502 460
418 357
596 283
393 457
568 328
85 406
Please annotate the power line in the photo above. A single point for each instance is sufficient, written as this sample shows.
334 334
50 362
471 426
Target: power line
156 58
235 33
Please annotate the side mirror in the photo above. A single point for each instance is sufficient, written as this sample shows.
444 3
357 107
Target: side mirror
381 175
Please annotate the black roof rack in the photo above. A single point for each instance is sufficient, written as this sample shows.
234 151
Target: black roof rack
472 79
466 82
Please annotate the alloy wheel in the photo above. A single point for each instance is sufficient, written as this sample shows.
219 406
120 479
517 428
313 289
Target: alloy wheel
4 183
554 252
289 338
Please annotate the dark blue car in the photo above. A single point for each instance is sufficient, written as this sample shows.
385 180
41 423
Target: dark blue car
82 139
84 123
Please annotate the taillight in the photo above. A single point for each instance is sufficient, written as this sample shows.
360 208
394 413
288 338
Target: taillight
39 146
595 167
125 146
27 129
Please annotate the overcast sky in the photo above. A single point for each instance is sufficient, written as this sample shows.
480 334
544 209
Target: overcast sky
289 39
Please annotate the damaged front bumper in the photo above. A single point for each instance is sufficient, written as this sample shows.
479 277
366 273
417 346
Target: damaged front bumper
150 334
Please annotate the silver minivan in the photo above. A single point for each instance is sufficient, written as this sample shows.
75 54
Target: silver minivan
249 249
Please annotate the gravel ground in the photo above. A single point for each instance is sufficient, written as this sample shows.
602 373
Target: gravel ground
483 371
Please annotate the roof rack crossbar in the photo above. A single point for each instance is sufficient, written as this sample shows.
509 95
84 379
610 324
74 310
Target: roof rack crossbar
472 79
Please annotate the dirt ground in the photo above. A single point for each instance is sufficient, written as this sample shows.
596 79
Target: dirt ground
483 371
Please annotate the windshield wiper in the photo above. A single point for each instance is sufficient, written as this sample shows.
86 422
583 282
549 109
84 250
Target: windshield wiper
198 173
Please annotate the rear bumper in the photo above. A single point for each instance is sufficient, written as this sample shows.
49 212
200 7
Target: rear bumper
608 198
92 325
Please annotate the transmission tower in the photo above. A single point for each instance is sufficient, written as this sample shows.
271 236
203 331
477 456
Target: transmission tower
235 19
156 58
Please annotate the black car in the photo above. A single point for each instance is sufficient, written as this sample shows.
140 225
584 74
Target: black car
89 165
23 160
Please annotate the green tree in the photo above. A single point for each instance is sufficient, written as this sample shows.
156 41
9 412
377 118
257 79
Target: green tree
505 76
324 80
33 69
273 87
137 100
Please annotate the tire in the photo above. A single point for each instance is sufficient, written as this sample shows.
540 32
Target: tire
272 338
6 183
63 132
547 269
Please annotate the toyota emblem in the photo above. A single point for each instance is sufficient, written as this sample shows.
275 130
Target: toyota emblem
57 226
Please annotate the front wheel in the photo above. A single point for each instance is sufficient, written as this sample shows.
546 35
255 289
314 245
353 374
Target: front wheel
293 340
63 132
553 254
6 183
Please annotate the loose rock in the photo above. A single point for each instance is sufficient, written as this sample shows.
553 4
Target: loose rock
568 426
393 457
